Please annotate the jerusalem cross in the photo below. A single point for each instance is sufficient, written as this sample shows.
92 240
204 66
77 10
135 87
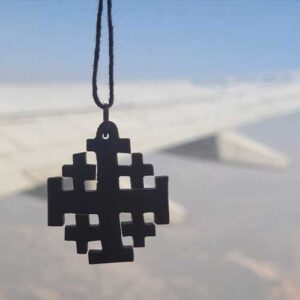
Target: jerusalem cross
108 200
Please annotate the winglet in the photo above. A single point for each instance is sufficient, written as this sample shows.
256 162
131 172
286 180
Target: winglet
235 148
230 147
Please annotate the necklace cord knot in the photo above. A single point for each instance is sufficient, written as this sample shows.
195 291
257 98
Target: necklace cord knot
106 118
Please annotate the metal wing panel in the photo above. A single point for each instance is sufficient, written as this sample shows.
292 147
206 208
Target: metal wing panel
37 141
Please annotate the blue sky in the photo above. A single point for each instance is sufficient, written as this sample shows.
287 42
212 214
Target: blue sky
53 40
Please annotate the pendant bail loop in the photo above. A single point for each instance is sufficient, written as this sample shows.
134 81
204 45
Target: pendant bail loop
106 118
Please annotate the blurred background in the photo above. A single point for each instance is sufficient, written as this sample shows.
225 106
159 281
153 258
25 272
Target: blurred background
209 91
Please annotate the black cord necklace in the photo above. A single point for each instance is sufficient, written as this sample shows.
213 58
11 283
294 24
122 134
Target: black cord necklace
104 106
97 55
108 200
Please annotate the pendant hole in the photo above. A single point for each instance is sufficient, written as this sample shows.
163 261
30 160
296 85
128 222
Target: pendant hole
149 217
70 219
124 159
67 184
127 241
124 183
94 219
95 245
90 185
91 158
149 182
125 217
105 136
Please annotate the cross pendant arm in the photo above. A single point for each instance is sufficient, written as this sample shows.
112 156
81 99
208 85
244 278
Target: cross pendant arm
61 202
147 200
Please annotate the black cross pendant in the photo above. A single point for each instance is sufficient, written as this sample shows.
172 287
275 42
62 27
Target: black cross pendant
108 200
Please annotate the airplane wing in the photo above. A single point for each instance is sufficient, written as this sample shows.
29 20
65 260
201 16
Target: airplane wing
42 125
